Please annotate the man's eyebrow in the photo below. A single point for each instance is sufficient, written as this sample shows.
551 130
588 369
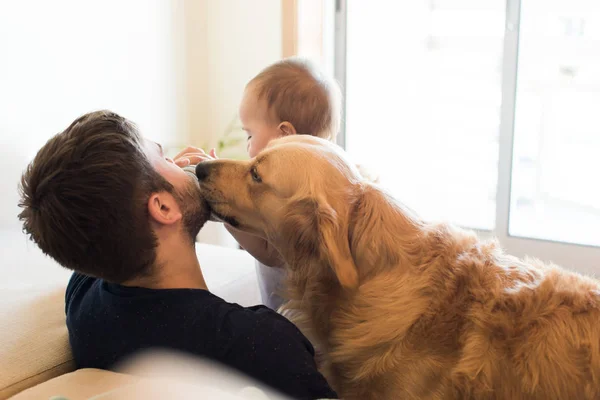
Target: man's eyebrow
159 148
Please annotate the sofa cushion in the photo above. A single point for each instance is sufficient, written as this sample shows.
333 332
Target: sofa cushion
34 339
33 336
79 385
96 384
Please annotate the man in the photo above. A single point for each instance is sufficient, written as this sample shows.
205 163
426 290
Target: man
109 205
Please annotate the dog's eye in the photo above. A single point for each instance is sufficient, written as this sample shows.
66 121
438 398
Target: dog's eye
255 176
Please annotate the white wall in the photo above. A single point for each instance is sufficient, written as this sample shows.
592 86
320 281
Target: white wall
241 38
175 67
63 58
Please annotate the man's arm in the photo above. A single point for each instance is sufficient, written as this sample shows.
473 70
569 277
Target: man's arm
258 247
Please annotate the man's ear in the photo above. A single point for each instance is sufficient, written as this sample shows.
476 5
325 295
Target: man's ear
163 208
315 228
286 128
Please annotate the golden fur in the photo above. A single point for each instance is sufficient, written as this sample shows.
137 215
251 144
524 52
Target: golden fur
404 309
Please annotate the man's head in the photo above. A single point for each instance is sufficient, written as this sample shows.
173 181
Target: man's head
98 198
290 97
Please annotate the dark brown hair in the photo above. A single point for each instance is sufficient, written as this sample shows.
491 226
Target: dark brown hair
296 91
84 196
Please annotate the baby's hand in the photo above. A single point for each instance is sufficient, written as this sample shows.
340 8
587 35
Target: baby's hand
192 156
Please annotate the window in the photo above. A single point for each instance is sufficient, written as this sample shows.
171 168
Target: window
423 102
485 113
554 194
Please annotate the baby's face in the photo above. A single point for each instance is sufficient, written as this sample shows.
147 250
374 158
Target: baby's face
259 127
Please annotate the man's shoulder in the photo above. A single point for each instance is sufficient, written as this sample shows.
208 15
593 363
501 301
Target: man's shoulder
270 348
78 283
77 278
265 324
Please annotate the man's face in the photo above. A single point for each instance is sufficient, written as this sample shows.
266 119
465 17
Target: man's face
186 188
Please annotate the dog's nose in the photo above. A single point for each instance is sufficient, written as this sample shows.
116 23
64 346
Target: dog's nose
203 170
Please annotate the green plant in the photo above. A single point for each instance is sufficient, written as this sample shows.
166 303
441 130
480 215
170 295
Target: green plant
232 143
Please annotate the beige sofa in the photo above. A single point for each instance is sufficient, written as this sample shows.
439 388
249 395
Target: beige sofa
34 350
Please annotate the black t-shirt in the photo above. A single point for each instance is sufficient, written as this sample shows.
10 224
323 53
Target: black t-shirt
108 322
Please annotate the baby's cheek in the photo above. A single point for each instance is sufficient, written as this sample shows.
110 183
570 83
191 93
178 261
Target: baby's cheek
251 150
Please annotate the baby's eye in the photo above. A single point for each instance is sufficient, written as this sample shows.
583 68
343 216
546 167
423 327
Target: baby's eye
249 137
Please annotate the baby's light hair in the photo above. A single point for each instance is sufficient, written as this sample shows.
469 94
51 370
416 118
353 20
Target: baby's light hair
295 90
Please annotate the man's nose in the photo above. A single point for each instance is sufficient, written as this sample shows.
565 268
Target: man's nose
203 170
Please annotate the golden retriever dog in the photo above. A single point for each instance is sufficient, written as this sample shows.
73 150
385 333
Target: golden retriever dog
402 308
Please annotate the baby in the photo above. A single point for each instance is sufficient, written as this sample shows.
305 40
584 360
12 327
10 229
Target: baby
290 97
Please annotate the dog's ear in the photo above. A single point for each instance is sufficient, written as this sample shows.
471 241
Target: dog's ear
314 227
335 244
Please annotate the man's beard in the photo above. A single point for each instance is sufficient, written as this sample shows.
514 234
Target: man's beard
194 210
